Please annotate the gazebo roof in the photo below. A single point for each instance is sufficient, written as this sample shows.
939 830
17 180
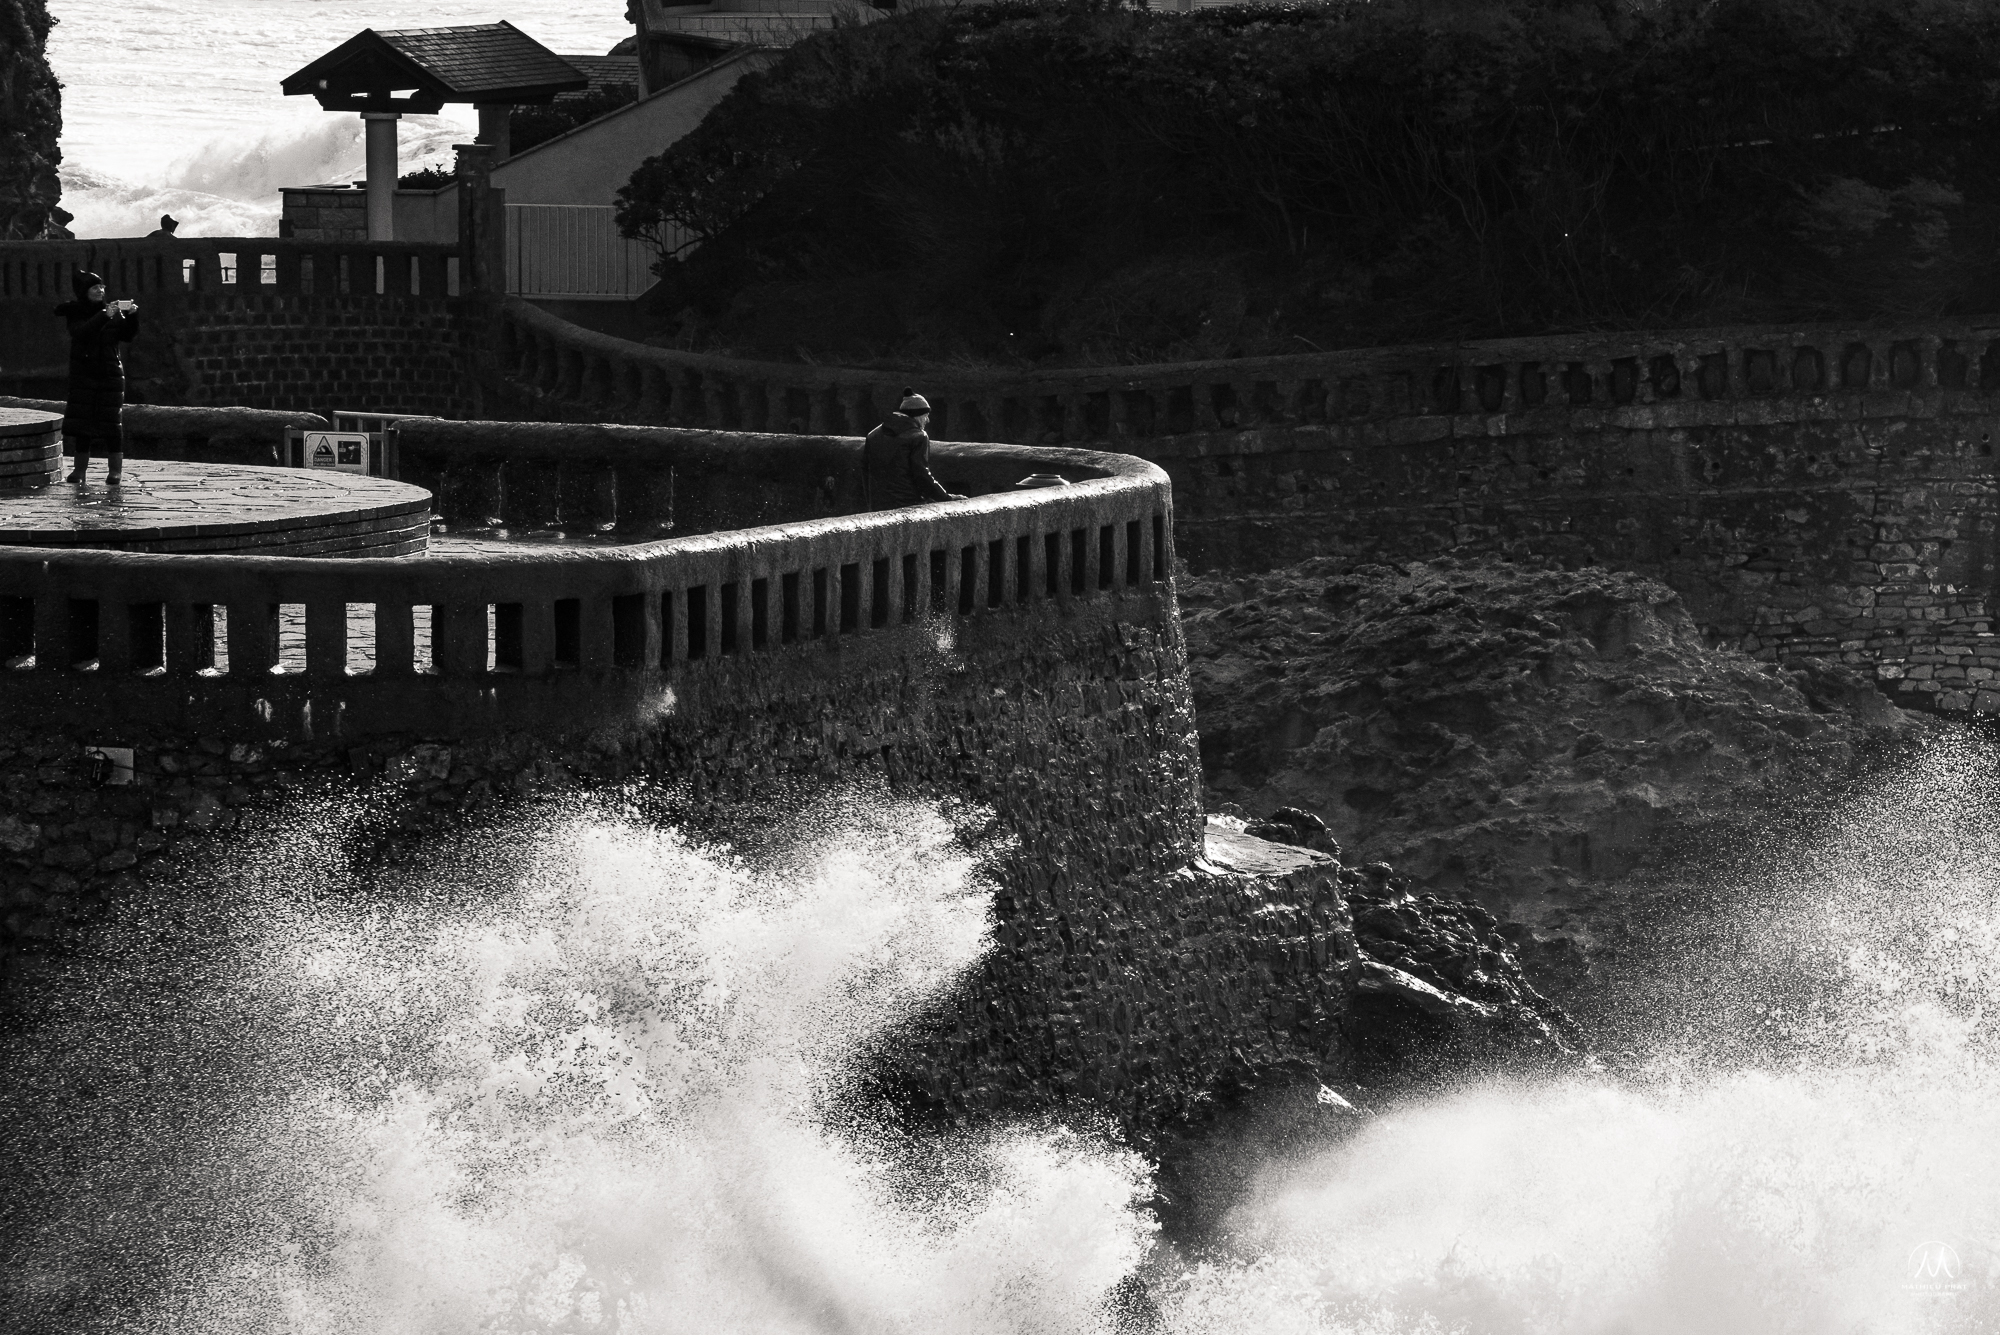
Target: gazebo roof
482 62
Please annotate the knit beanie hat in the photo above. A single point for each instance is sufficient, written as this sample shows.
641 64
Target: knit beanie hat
82 281
913 402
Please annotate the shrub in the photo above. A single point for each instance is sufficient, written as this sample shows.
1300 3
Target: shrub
1407 169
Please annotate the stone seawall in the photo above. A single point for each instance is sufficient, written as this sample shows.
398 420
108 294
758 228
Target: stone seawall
1809 490
1124 967
1860 530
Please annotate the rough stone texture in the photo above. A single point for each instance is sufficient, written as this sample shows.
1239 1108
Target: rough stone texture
1864 536
1127 969
183 507
366 354
1521 734
1146 996
324 215
30 122
301 352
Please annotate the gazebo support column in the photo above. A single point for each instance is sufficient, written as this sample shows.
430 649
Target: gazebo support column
381 132
494 129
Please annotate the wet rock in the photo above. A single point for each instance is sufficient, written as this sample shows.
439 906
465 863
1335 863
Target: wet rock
1511 734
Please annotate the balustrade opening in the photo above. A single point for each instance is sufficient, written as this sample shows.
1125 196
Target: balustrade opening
291 655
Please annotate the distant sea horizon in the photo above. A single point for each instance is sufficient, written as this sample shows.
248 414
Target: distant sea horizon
173 106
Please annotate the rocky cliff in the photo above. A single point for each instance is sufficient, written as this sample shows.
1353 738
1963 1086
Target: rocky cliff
30 122
1531 739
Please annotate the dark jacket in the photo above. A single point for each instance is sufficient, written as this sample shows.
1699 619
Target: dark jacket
896 465
96 370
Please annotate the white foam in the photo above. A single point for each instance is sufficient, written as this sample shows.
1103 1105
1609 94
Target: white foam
592 1102
229 186
577 1077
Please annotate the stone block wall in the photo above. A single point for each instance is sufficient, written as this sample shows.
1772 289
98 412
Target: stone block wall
397 354
1862 531
1125 967
319 214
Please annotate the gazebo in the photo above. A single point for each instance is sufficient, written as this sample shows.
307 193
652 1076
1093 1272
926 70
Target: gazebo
383 75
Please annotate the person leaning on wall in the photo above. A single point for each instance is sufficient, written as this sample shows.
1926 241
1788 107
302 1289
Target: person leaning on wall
896 459
92 417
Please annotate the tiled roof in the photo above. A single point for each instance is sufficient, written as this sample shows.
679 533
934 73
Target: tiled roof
606 71
482 59
484 62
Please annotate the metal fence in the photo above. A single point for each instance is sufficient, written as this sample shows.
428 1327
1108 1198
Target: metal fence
573 251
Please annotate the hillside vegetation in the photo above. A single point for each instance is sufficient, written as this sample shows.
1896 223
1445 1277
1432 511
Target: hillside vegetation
30 122
1081 183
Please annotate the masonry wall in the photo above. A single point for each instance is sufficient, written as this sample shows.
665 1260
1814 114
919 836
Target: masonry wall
369 354
1861 530
1123 968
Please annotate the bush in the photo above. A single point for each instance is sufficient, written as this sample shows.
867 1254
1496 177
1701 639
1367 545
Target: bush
534 125
1372 171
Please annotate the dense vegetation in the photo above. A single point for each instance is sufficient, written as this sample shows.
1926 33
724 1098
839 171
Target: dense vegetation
1091 182
30 122
534 125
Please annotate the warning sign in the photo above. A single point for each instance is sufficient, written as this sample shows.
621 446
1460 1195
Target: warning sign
342 451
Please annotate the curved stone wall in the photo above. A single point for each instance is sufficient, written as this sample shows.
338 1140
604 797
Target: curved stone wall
1816 490
1019 649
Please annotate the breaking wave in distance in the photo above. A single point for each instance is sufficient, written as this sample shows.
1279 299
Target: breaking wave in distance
175 106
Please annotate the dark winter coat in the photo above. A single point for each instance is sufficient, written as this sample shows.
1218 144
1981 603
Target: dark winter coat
896 465
96 370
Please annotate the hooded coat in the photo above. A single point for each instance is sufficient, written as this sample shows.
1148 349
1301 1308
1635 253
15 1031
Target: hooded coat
896 465
96 367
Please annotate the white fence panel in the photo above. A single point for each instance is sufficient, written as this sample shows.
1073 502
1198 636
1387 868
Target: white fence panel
573 250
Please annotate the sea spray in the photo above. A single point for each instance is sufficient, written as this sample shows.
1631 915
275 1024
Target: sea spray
566 1078
228 186
1800 1142
575 1074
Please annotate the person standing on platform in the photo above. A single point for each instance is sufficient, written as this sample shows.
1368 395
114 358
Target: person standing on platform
896 459
91 418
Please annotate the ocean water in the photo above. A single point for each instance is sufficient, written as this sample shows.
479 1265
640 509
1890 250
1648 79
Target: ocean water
584 1074
173 105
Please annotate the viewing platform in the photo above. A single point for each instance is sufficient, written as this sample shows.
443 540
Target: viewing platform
772 576
212 508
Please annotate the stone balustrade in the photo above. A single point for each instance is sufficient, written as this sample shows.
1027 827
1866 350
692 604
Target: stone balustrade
532 637
204 435
40 270
1397 395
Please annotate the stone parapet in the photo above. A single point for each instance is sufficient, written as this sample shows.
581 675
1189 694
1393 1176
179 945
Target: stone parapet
1809 490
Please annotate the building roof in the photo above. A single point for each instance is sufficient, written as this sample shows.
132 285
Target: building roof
479 63
607 71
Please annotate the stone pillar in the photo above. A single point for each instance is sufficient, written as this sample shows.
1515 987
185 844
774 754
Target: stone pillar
381 133
482 223
494 129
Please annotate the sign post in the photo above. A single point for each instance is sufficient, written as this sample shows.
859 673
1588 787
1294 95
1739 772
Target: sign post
337 451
